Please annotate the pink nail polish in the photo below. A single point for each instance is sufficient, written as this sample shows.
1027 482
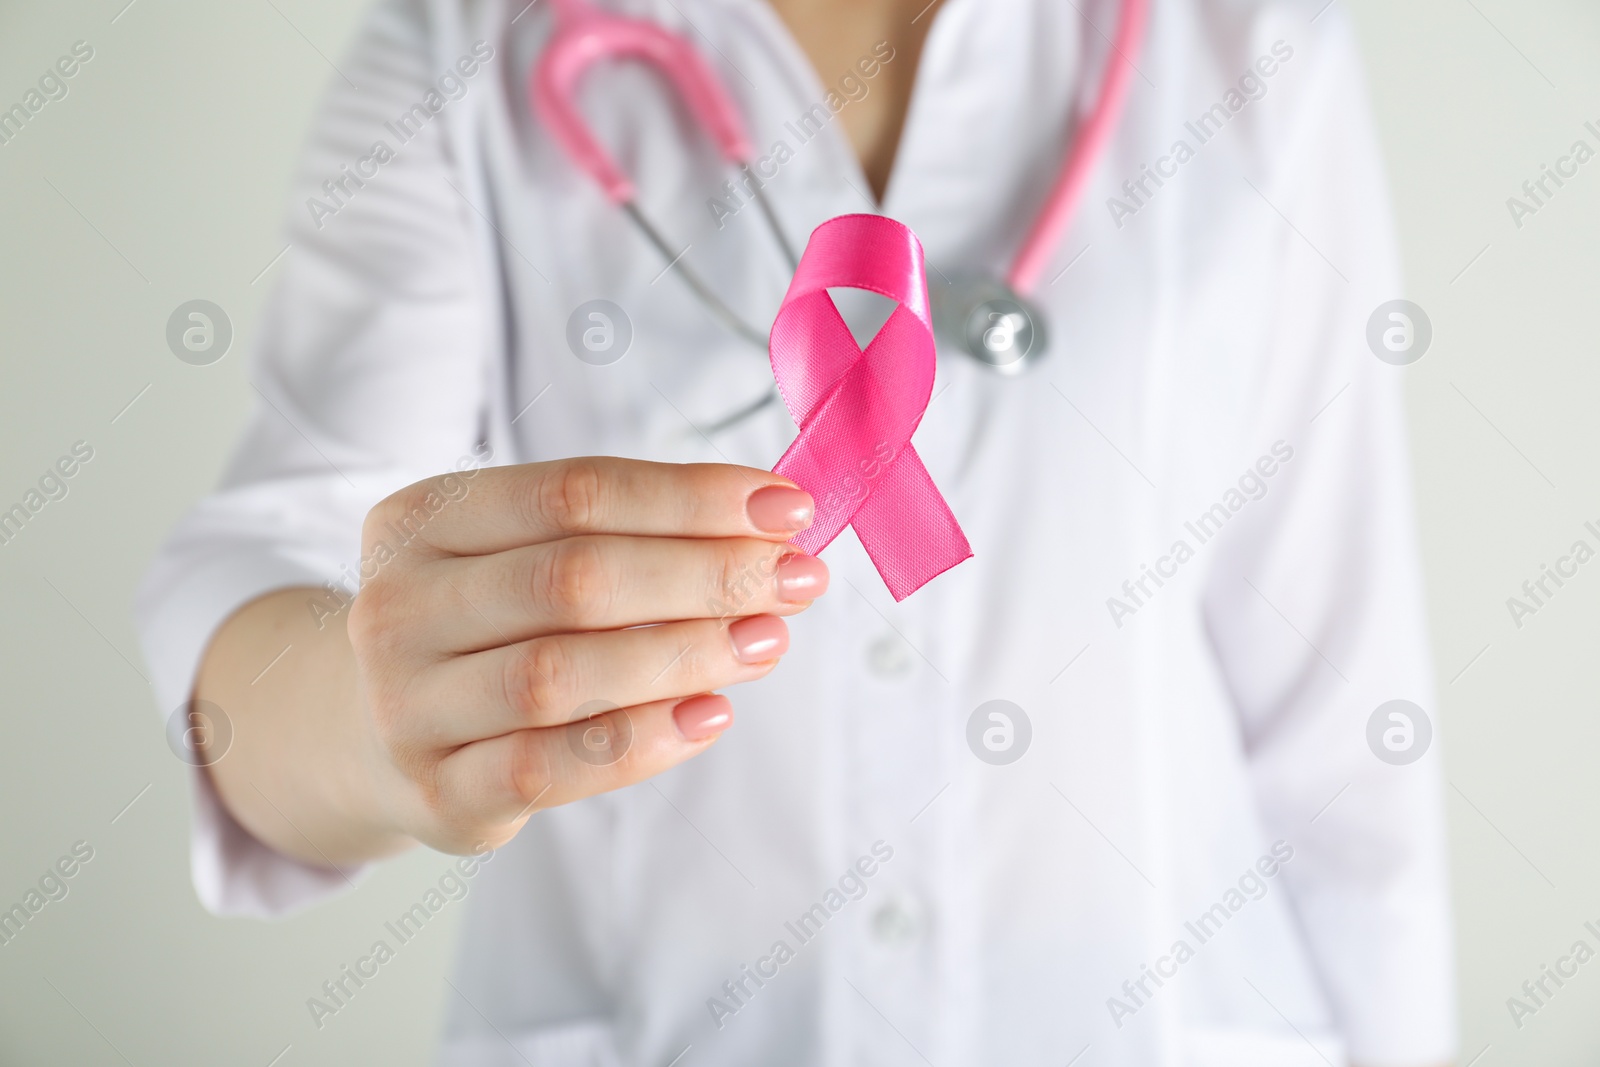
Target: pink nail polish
780 509
802 577
703 716
759 638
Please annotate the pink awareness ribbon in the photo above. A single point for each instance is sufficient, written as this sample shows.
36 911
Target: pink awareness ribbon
858 409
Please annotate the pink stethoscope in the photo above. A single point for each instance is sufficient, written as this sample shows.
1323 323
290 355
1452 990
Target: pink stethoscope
986 316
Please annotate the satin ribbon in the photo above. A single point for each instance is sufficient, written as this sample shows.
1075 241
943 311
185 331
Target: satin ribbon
858 409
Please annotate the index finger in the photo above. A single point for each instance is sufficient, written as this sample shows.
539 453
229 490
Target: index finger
500 508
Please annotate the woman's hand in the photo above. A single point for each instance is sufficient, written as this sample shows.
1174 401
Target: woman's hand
554 632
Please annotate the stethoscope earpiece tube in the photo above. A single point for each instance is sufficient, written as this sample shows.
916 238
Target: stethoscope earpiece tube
711 300
994 321
1043 241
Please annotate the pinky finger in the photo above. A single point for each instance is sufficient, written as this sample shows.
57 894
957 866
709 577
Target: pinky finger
498 783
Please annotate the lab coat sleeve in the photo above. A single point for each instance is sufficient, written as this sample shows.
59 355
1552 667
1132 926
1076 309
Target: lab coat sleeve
1316 610
367 374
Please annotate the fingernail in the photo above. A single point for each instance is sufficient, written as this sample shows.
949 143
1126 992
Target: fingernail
759 638
802 577
780 509
703 716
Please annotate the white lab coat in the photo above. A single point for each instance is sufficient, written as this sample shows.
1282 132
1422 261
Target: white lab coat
1175 739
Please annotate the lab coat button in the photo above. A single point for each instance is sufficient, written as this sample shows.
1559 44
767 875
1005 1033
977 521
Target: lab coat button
896 921
889 657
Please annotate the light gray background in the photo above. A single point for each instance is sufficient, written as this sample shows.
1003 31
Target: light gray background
169 160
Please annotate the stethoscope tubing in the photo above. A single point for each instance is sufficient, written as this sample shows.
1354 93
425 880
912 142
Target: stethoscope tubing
1044 240
585 34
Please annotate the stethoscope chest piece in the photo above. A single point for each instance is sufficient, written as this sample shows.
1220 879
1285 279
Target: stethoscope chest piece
989 321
